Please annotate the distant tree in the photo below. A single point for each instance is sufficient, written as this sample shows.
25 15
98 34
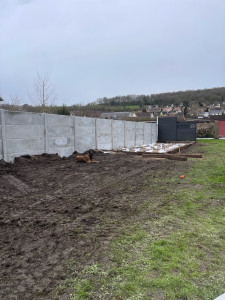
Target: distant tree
205 97
14 102
186 103
43 94
1 99
63 110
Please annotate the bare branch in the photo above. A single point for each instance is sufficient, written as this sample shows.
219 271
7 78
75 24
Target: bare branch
43 94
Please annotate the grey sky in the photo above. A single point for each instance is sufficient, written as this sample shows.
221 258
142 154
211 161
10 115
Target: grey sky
96 48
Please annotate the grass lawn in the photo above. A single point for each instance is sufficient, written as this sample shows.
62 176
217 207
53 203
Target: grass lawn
175 247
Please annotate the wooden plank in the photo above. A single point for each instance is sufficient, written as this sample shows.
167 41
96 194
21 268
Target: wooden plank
133 153
153 158
176 142
191 155
166 155
176 157
154 155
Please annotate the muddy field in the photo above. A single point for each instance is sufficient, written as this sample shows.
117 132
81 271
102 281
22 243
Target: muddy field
54 210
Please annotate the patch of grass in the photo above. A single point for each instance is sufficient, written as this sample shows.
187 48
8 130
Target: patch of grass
175 247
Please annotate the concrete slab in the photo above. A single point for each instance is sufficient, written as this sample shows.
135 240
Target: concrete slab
1 157
154 132
22 118
24 131
130 133
59 120
104 134
147 133
85 132
118 132
139 132
60 131
21 146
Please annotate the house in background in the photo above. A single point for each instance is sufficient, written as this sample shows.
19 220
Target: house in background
211 113
166 110
203 114
216 112
154 112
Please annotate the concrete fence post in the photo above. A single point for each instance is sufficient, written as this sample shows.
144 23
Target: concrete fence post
144 133
96 135
112 133
124 132
74 132
4 148
45 133
135 138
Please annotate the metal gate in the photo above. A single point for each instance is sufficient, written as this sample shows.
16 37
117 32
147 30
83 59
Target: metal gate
171 130
186 131
167 130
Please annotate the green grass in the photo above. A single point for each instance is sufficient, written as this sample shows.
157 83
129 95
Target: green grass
176 247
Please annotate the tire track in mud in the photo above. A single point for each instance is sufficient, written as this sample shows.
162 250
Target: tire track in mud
18 184
112 182
122 178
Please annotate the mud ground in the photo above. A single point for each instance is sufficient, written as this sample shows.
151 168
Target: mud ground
54 210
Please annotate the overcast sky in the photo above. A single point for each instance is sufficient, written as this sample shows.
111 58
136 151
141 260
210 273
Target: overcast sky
96 48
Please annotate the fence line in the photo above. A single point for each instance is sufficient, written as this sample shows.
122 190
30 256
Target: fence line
31 133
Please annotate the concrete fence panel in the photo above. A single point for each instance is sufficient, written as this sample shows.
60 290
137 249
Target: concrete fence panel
139 132
1 154
118 134
23 134
23 118
147 133
1 112
130 134
104 134
85 134
154 132
59 134
17 147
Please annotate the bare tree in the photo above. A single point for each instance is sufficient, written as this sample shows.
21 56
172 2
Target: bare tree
14 103
15 100
43 94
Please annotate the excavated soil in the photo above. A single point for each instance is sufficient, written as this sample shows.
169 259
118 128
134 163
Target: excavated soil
54 211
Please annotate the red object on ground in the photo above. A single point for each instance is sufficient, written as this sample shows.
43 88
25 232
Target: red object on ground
182 176
222 128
